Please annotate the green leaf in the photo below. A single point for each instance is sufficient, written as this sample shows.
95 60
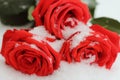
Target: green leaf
30 10
15 20
11 7
108 23
92 5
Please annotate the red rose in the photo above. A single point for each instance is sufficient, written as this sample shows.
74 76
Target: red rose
119 43
102 44
55 14
29 55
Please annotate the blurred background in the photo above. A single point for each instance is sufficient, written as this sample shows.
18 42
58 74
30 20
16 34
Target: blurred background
108 8
18 12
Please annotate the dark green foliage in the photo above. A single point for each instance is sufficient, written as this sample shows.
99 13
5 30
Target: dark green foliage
108 23
10 7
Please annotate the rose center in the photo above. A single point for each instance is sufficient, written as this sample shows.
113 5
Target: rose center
29 60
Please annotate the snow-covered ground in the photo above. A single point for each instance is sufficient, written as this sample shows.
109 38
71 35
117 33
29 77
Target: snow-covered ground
75 71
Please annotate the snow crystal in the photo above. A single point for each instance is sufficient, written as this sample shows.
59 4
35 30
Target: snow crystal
68 31
84 30
56 45
39 33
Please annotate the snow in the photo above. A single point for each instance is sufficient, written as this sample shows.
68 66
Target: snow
56 45
73 71
39 33
71 20
89 60
68 31
84 30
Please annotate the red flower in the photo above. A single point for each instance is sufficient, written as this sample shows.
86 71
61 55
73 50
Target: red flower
119 43
55 14
29 55
102 43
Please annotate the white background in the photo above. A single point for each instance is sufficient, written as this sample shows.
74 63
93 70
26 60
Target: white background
109 8
106 8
